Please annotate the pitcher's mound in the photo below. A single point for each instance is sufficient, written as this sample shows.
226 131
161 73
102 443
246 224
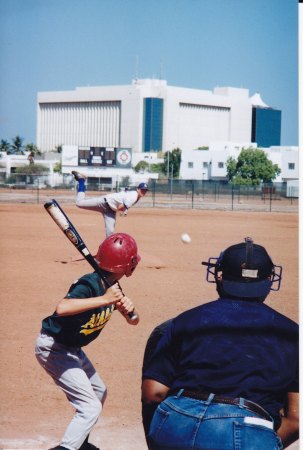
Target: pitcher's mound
151 261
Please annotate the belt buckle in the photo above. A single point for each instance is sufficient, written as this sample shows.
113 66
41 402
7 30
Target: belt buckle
258 421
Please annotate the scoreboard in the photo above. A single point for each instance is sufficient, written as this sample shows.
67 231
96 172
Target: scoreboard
104 156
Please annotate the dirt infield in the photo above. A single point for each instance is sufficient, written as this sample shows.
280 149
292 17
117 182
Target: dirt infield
37 267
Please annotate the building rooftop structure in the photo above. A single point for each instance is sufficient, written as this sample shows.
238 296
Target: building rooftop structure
257 101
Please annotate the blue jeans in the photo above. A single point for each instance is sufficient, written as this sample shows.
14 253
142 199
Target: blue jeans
182 423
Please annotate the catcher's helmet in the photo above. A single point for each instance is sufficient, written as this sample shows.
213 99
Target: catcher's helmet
245 270
118 254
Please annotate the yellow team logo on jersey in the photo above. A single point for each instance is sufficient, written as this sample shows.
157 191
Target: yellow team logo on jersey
97 321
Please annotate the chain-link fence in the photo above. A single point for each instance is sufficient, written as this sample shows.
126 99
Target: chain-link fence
167 193
222 195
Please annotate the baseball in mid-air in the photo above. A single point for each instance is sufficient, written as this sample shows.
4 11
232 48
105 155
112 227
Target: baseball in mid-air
185 238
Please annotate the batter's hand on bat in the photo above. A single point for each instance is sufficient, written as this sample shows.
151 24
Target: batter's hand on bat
126 307
114 293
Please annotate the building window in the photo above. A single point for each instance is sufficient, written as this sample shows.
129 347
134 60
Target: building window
220 165
152 124
190 165
266 127
205 165
291 166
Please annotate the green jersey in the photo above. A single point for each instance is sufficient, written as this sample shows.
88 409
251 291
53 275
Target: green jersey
78 330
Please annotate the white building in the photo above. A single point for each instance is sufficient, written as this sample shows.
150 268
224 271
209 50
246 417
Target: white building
211 163
103 130
9 164
146 116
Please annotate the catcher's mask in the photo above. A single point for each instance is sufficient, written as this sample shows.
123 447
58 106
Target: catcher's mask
244 270
118 254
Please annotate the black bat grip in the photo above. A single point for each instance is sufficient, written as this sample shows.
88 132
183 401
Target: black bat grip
132 315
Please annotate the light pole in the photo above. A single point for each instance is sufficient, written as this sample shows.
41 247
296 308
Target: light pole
167 165
203 174
171 180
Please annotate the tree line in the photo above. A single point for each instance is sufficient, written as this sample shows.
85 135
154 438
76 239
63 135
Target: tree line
16 147
251 168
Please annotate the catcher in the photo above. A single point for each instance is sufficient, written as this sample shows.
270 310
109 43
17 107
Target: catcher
78 319
224 375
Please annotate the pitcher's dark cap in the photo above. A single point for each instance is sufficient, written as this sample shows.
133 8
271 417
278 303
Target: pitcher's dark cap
143 186
246 270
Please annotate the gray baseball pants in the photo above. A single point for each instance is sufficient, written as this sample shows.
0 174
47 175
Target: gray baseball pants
73 372
98 204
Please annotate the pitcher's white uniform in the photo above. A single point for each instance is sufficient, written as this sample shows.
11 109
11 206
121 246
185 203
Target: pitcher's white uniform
110 204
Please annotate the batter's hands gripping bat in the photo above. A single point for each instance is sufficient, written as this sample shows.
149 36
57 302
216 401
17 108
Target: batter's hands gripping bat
58 215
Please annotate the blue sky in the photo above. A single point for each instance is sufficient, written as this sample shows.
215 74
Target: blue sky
53 45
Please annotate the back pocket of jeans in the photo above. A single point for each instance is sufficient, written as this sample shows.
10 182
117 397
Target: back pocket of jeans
157 423
255 437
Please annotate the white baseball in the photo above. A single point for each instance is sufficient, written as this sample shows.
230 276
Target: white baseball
185 238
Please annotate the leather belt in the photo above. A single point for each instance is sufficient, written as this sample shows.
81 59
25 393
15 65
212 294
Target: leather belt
251 406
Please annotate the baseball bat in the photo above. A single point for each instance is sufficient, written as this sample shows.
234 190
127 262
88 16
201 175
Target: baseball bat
58 215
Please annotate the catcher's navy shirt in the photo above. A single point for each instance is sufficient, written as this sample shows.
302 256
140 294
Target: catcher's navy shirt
232 348
80 329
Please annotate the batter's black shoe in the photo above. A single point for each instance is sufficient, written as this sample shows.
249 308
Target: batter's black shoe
88 446
59 447
78 176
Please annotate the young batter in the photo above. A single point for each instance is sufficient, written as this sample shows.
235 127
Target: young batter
110 204
78 319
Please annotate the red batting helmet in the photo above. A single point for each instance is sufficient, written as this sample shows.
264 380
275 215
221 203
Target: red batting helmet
118 254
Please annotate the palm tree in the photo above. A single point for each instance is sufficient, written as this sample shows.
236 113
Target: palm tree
16 147
32 148
4 146
33 151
